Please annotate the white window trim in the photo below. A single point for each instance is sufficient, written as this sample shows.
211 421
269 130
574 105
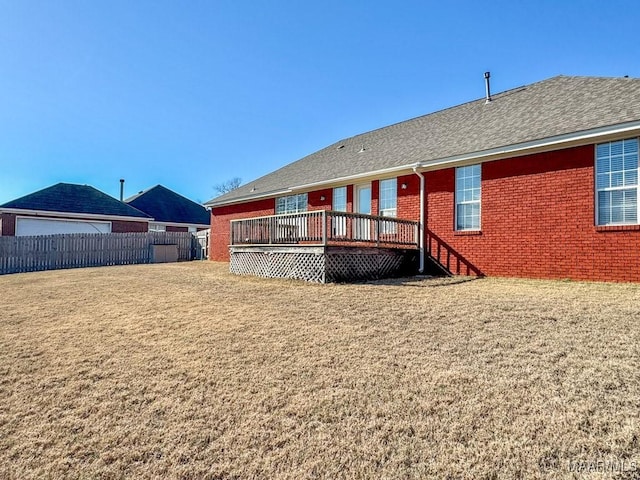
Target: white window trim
612 189
388 212
333 199
467 202
297 210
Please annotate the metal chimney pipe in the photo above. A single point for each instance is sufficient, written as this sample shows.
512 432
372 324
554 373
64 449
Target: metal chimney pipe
487 75
121 189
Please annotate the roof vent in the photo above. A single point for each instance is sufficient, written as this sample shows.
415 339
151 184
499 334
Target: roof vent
361 149
487 75
253 189
341 146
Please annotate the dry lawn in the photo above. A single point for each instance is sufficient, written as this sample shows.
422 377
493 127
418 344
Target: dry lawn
184 371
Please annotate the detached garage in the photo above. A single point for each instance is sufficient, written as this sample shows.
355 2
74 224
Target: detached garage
69 208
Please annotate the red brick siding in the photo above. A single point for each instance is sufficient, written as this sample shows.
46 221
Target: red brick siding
375 196
409 198
171 228
220 229
537 221
119 226
315 201
7 224
349 198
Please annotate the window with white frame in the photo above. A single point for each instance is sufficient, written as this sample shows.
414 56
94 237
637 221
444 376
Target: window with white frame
291 204
389 197
156 227
388 204
468 198
339 203
617 182
291 228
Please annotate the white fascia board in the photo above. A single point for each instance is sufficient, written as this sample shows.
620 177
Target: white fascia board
87 216
535 146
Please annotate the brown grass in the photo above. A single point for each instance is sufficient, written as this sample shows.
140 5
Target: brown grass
184 371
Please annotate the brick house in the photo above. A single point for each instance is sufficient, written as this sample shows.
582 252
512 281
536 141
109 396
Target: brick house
538 181
69 208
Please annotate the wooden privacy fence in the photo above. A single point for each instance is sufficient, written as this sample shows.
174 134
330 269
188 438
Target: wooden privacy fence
52 252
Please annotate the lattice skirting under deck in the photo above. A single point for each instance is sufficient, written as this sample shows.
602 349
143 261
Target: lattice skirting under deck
319 264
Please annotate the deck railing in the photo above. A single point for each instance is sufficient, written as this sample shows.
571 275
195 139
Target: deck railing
324 227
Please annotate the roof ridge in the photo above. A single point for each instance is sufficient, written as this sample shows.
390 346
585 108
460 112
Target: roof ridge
469 102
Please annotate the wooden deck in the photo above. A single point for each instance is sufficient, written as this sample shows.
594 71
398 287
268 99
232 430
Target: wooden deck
324 246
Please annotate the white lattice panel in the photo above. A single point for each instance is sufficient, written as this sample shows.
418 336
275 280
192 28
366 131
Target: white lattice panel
341 265
302 266
344 267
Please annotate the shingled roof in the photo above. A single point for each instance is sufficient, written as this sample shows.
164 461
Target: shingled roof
72 198
165 205
554 107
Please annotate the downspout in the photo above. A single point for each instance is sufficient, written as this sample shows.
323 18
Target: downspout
421 222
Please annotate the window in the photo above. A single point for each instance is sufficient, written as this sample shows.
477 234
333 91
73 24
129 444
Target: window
468 198
617 182
291 204
339 203
388 204
388 197
156 227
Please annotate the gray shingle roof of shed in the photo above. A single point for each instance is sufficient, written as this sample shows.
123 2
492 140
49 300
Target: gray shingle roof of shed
556 106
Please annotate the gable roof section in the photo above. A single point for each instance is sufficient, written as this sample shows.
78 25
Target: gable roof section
165 205
76 199
558 106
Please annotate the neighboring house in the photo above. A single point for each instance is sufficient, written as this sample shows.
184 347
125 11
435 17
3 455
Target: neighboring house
69 208
540 181
171 212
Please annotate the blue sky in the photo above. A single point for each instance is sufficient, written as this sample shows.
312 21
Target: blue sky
189 94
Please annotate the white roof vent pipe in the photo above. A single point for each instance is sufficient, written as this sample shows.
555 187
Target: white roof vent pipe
487 75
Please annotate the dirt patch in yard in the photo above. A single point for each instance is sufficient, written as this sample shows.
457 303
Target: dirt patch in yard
185 371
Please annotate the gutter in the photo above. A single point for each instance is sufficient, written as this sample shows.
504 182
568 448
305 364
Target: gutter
421 222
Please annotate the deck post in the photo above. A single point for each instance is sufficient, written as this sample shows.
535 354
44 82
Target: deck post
324 227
